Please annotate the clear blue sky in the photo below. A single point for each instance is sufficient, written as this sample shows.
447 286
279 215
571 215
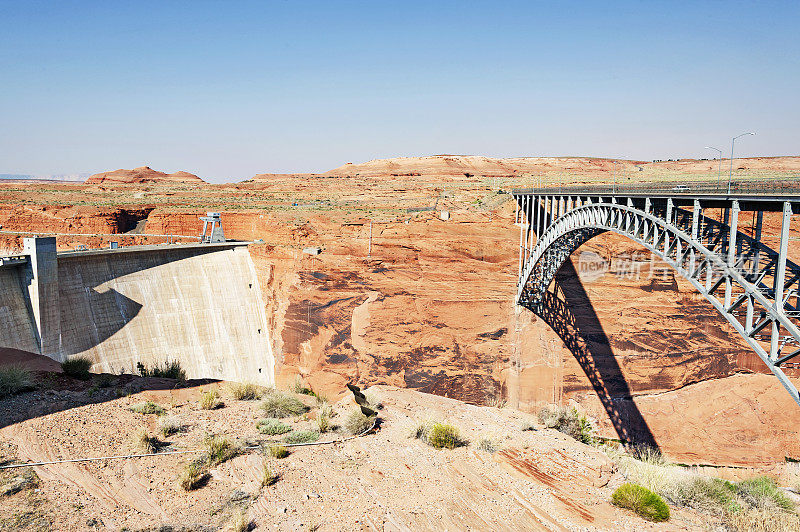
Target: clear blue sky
230 89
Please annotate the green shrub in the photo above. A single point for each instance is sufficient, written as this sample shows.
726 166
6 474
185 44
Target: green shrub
209 400
763 492
147 407
77 367
169 370
278 451
641 500
273 427
302 436
357 423
220 449
444 436
280 405
568 421
246 391
14 380
194 475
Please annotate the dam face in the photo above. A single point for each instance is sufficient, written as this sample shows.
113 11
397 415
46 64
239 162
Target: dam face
200 305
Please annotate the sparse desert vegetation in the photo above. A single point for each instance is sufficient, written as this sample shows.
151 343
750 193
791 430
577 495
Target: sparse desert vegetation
751 504
14 380
268 476
169 425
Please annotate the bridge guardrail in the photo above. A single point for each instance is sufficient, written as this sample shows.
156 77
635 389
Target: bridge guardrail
753 187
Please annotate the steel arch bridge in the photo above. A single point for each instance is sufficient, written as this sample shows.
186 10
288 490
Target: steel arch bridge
697 232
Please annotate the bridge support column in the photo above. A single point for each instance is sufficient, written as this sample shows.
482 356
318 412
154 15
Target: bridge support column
42 291
780 278
732 258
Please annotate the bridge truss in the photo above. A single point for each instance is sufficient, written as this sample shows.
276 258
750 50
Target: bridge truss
701 235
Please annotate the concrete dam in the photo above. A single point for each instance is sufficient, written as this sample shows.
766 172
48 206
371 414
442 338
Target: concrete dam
198 304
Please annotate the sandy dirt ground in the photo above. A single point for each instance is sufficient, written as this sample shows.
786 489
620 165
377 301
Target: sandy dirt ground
536 480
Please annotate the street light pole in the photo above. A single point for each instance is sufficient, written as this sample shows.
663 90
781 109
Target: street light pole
719 165
730 174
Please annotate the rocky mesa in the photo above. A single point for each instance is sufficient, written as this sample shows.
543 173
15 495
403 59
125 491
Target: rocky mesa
142 174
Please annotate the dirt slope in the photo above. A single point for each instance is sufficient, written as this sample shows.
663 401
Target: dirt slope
539 479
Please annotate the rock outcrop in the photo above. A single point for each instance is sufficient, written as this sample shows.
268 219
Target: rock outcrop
143 174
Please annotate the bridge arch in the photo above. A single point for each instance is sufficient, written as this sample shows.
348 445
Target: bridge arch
754 287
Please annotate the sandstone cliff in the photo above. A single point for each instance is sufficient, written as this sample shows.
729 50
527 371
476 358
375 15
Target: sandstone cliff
142 174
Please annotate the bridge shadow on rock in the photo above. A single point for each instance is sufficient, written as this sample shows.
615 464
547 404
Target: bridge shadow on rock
569 312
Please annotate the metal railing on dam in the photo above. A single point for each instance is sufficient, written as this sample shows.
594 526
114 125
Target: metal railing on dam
713 235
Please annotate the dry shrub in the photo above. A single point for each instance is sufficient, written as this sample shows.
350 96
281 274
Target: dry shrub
486 444
569 421
268 476
280 405
148 444
240 522
444 436
357 423
209 400
762 520
147 407
169 370
324 418
246 391
168 426
278 451
220 449
194 475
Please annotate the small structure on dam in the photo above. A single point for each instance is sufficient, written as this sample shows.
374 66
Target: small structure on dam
198 304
